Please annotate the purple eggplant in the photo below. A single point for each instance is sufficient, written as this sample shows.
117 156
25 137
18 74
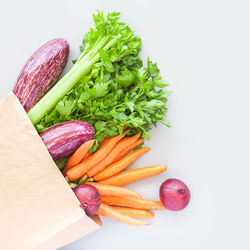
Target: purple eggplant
63 139
41 72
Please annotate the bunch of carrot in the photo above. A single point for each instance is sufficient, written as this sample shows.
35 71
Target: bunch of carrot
106 167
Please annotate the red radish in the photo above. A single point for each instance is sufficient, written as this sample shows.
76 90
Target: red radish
174 194
89 197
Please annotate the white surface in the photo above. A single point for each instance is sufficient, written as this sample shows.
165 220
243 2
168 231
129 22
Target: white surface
202 49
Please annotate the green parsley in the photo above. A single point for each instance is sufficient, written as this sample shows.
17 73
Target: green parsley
117 90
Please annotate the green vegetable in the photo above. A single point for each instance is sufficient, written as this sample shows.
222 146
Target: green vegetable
107 35
62 162
117 90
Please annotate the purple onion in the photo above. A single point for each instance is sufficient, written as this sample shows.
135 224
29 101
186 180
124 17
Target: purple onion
174 194
89 198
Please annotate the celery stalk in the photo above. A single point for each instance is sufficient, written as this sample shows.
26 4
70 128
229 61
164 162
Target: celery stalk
81 68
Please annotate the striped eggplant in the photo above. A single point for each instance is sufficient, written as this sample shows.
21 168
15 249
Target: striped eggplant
41 72
63 139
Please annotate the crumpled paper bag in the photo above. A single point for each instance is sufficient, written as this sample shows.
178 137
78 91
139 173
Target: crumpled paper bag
38 209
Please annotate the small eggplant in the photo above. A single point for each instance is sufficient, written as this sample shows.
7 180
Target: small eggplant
63 139
41 72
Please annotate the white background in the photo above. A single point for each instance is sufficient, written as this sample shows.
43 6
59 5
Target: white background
203 51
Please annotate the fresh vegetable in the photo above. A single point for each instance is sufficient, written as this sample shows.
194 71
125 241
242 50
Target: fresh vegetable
78 156
133 202
109 212
83 180
118 166
86 156
174 194
80 153
105 41
83 167
113 154
132 175
40 72
89 198
109 190
129 148
108 85
61 163
104 142
135 213
63 139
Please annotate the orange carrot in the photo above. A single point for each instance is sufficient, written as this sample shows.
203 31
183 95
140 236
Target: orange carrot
109 190
109 212
112 155
104 142
133 175
118 166
129 148
84 166
79 154
134 212
133 202
86 156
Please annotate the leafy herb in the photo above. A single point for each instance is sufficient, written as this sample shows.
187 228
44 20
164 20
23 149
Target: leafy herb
108 41
118 90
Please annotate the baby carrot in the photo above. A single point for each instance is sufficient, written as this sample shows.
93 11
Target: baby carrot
109 190
131 175
133 202
109 212
112 155
118 166
134 212
79 154
129 148
84 166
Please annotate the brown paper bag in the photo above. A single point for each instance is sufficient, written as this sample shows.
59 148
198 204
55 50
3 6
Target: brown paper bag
38 209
